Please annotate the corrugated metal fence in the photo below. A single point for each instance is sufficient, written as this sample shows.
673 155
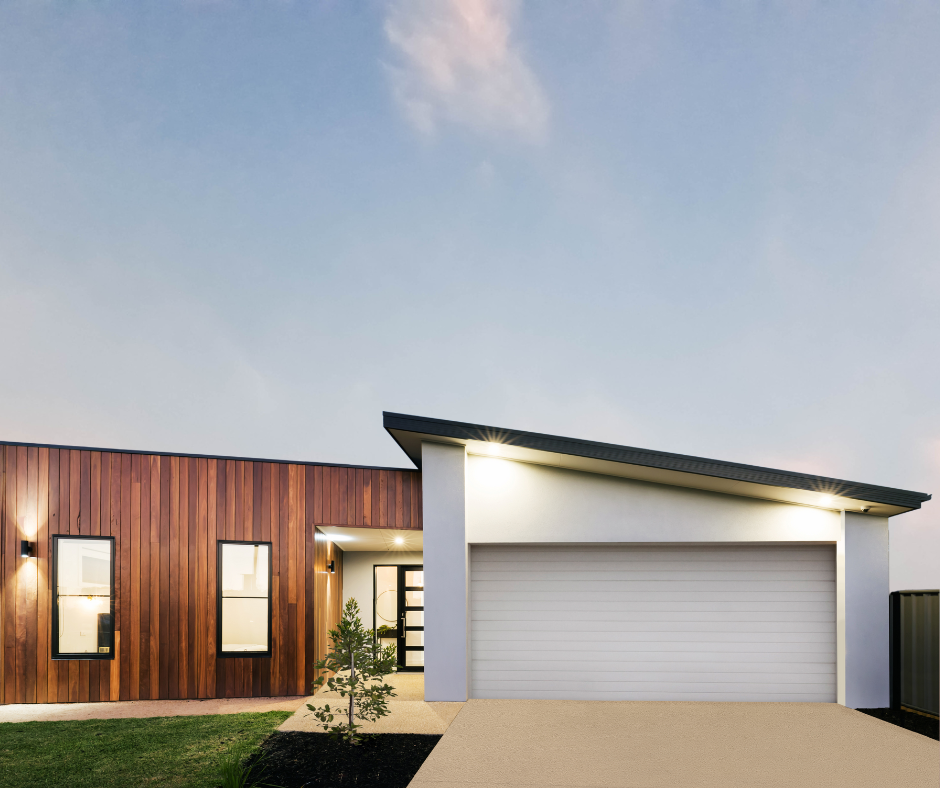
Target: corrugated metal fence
915 650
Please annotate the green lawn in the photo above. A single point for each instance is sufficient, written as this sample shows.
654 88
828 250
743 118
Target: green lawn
170 752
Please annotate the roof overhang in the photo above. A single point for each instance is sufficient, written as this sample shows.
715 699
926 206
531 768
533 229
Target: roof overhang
652 466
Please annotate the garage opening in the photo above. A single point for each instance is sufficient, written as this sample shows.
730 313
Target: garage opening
627 622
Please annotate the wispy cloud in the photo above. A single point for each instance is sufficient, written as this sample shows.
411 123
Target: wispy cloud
458 64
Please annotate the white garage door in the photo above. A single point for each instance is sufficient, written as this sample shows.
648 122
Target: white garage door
727 623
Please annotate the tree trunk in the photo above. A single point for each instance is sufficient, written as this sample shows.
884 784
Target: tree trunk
352 677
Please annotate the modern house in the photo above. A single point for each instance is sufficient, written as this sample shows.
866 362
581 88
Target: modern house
508 565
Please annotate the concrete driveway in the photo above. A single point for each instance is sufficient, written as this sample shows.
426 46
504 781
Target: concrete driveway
596 744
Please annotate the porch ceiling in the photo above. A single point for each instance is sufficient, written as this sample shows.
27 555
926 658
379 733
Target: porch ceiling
374 539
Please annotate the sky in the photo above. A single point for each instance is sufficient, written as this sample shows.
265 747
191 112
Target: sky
707 228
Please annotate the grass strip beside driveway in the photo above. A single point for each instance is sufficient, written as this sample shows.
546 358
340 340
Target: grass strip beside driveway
171 752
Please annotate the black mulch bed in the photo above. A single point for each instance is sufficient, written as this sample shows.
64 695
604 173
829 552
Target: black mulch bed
294 759
907 719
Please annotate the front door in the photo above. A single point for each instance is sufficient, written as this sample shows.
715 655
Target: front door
399 613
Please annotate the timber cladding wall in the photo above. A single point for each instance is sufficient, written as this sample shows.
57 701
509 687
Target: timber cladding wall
166 514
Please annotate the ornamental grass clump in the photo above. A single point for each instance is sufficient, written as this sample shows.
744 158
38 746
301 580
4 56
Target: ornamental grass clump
234 773
359 665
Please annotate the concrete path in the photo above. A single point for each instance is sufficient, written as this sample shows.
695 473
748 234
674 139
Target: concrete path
601 744
408 711
50 712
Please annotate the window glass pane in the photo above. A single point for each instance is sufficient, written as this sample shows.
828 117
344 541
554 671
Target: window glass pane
414 658
414 638
83 596
84 567
414 618
84 625
386 596
244 597
414 598
244 624
245 570
414 578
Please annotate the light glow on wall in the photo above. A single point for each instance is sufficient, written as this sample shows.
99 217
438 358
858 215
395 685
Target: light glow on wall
494 474
28 523
27 573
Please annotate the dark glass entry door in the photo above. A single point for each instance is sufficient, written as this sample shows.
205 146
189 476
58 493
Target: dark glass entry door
399 612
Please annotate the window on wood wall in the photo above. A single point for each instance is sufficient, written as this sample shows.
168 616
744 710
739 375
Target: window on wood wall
244 594
83 603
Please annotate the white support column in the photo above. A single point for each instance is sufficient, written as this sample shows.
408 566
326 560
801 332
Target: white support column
840 613
446 619
866 587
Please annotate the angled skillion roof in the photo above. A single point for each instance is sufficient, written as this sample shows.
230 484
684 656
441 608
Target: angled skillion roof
654 466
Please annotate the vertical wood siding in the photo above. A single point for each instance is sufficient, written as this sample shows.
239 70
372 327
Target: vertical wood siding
166 514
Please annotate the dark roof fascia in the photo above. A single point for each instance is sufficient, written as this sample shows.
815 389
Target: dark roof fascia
203 456
648 458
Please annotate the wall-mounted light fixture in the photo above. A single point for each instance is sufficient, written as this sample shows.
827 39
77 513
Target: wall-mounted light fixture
331 567
26 549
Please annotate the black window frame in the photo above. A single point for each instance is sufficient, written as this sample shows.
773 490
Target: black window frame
55 653
403 611
218 602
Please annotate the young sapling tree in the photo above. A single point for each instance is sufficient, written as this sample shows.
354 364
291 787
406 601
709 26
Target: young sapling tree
359 665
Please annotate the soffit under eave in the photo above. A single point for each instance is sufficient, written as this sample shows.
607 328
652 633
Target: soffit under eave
411 444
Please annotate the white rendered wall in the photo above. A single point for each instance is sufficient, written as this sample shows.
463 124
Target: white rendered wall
446 640
511 501
866 612
357 575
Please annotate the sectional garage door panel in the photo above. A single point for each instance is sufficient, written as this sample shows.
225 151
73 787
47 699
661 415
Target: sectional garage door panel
726 623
